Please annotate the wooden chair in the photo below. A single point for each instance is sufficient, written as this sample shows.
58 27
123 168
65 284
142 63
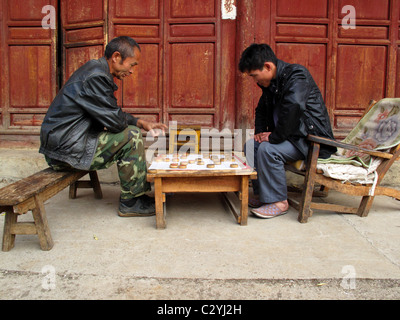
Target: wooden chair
314 177
191 135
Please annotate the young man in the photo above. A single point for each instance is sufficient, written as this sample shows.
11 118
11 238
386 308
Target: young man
291 106
85 129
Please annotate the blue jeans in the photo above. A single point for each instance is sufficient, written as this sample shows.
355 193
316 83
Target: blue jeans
269 161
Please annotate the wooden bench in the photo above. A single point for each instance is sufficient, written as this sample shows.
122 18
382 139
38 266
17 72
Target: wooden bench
30 194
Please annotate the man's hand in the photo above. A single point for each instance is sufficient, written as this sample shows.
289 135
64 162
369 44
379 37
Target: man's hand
154 128
262 137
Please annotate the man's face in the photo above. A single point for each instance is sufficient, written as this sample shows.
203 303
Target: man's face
264 76
120 69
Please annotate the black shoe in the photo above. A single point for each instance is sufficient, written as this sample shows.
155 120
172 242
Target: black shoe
141 206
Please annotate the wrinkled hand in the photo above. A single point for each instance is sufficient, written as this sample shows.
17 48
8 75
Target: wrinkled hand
262 137
154 128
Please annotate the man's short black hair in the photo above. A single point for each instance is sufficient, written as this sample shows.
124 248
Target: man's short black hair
254 57
123 44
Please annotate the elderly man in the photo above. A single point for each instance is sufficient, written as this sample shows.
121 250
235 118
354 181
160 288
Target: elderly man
85 129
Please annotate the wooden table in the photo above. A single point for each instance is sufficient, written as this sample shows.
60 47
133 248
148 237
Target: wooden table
169 181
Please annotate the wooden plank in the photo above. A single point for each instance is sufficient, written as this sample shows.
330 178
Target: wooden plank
333 207
390 192
355 190
24 228
47 193
24 189
210 173
201 184
325 141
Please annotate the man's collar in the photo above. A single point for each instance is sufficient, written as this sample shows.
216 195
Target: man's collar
104 64
280 66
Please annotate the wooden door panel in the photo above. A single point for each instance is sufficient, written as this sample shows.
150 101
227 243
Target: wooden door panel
301 8
188 30
141 93
4 73
364 32
142 88
192 75
186 118
312 56
398 72
177 77
192 9
28 59
369 10
83 28
78 11
78 56
136 9
301 30
82 35
192 86
26 10
138 32
30 82
350 65
360 75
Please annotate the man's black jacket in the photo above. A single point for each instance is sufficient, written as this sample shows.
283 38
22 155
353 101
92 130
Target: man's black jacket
294 102
84 106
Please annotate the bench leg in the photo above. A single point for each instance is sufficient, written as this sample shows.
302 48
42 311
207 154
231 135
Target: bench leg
9 222
72 190
42 228
94 183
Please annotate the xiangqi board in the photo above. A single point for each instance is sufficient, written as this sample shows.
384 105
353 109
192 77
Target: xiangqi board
204 161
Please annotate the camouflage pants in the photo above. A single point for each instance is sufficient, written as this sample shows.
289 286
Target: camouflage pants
126 149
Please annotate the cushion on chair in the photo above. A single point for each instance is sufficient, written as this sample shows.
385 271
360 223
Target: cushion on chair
379 129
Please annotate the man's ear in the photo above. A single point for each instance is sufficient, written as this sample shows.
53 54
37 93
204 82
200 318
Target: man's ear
268 66
116 57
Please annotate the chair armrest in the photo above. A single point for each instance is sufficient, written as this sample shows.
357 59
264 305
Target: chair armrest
338 144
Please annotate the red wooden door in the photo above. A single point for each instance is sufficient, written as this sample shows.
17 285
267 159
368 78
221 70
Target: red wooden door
180 72
83 33
350 65
140 93
28 67
363 59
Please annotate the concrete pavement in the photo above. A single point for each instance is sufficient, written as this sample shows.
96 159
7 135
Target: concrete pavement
203 253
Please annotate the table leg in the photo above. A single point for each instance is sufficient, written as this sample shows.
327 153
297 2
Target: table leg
159 201
244 201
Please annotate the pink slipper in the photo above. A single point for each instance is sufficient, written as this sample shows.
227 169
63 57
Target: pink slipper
255 203
268 211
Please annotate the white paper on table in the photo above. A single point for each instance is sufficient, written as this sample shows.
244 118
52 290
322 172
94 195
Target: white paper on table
225 165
